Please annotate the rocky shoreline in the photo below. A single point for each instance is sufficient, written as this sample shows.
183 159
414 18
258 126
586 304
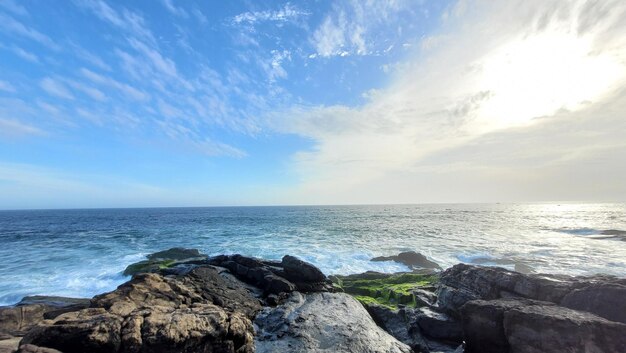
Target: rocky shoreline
180 300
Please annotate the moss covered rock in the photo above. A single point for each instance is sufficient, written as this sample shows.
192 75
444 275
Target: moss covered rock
164 259
389 290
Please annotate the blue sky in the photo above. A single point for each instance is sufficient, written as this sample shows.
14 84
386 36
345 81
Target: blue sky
182 103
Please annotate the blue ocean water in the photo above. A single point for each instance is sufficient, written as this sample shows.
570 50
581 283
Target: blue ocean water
83 252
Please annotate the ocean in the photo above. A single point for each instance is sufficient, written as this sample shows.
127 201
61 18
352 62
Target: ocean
80 253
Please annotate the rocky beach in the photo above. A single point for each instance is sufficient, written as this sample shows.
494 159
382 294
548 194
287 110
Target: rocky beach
180 300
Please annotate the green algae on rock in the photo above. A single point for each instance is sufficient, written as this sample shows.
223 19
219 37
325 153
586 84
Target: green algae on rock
164 259
389 290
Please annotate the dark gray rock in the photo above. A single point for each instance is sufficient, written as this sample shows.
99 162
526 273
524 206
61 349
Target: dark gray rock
297 270
607 300
411 259
523 325
166 259
396 323
547 329
436 325
462 283
322 322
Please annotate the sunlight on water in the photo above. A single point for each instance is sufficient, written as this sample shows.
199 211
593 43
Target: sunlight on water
83 252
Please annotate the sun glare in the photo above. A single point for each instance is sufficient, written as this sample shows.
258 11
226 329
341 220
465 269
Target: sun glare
536 76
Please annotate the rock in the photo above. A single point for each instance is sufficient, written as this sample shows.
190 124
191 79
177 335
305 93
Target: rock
165 259
396 323
546 329
9 344
176 254
29 348
199 312
16 321
322 322
462 283
605 300
483 327
275 277
297 270
436 325
523 325
411 259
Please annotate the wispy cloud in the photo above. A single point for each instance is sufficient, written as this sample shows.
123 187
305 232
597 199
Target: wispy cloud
351 27
175 10
125 19
55 88
25 54
15 128
124 88
10 24
6 86
288 13
14 7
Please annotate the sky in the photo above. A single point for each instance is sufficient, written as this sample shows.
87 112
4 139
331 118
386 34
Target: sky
219 103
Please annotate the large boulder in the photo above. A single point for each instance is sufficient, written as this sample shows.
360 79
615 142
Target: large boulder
524 326
607 300
202 311
597 294
322 322
411 259
273 277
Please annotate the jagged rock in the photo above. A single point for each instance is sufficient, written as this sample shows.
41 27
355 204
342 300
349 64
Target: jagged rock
411 259
522 325
606 300
165 259
322 322
436 325
396 323
462 283
275 277
547 329
29 348
199 312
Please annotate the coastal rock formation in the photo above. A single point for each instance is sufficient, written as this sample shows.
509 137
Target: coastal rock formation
199 312
411 259
600 295
522 325
165 259
322 322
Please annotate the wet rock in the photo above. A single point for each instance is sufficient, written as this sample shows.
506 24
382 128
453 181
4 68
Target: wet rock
202 311
436 325
29 348
547 329
165 259
322 322
462 283
275 277
523 325
411 259
607 300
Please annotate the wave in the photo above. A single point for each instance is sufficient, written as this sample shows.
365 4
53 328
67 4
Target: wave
595 233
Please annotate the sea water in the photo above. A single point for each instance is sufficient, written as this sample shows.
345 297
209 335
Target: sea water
81 253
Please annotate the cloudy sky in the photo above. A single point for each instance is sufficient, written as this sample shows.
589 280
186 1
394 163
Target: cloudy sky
181 103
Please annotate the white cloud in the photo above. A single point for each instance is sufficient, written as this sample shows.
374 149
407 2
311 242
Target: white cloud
539 69
288 13
14 7
6 86
125 20
55 88
124 88
177 11
14 128
350 27
25 54
11 25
